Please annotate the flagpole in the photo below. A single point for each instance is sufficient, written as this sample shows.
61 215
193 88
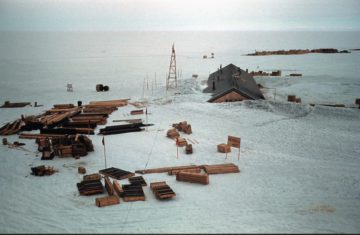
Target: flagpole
103 142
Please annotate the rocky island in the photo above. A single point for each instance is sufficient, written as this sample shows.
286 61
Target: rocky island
297 52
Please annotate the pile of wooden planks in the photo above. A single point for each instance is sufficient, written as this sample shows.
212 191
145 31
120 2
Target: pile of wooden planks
109 186
191 170
192 177
116 173
11 127
94 176
161 190
221 168
90 187
133 192
165 169
119 129
65 146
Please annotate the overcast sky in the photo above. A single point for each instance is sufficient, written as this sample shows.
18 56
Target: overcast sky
179 15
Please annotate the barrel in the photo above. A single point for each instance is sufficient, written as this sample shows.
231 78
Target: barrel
79 103
99 87
106 88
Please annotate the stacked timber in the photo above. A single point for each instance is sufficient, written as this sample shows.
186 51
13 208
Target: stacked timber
107 201
116 103
63 106
172 133
133 192
161 190
223 148
63 146
116 173
191 170
137 180
119 129
183 126
221 168
11 128
96 109
192 177
166 169
90 187
67 130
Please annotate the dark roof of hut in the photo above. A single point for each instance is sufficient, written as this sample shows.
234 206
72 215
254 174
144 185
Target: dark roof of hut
232 77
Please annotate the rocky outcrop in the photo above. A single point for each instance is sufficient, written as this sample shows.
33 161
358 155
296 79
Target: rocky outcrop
297 52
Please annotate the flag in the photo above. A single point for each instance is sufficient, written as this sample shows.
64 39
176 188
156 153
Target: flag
103 141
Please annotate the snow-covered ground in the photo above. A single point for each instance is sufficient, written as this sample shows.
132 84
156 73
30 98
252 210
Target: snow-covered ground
299 171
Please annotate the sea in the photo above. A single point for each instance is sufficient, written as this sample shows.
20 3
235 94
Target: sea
37 66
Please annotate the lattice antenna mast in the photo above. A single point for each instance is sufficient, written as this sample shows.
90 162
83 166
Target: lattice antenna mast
172 69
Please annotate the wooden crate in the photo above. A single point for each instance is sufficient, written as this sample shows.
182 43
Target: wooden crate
107 201
81 170
181 142
192 177
189 149
292 98
223 148
172 133
109 186
221 168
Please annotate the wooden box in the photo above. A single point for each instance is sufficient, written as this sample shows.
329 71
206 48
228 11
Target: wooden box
81 170
192 177
223 148
107 201
189 149
181 142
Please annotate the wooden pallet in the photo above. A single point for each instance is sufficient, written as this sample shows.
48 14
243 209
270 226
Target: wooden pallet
116 173
107 201
161 190
137 180
192 177
90 187
133 193
221 168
